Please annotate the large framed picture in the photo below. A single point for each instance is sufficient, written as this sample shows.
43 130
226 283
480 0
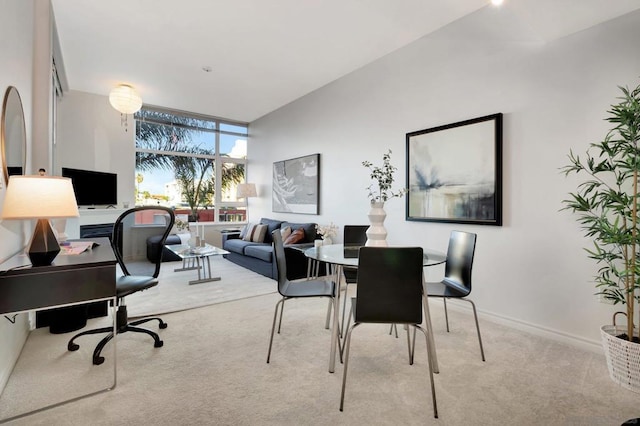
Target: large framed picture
454 172
296 185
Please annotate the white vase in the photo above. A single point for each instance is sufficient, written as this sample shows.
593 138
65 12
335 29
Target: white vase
377 234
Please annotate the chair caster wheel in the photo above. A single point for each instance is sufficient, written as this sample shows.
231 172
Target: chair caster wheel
73 347
98 360
158 344
163 325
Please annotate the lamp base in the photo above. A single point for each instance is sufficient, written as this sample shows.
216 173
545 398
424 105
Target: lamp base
43 247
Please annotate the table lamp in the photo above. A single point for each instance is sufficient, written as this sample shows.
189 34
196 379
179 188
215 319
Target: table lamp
246 190
42 198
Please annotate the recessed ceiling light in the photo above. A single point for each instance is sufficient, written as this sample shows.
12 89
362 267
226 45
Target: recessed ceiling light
206 69
496 2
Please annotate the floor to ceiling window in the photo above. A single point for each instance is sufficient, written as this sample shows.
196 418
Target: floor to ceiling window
192 163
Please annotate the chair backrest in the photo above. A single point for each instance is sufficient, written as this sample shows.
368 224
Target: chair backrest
389 285
129 238
355 235
281 261
462 246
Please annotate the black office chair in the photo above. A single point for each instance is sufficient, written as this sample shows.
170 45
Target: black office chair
295 289
389 292
457 275
129 243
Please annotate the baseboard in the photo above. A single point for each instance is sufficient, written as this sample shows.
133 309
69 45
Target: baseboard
594 346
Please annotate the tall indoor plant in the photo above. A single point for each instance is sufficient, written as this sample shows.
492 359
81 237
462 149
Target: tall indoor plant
606 204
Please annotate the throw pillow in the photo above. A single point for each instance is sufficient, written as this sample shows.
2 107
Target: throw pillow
245 229
295 237
285 232
255 233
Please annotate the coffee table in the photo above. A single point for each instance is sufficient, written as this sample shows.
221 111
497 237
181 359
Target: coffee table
202 258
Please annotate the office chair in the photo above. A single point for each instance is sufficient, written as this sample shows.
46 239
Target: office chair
389 292
295 289
129 238
457 275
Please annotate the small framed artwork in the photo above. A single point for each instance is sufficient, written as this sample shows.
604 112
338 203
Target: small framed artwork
296 185
454 172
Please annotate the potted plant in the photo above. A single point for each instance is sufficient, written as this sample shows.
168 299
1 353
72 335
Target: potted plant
607 205
379 192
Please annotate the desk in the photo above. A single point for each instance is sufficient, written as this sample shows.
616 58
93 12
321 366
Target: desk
334 254
70 280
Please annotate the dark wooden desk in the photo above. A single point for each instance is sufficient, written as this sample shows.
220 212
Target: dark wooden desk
71 279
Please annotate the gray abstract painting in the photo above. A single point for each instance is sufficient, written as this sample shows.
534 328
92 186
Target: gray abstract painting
296 185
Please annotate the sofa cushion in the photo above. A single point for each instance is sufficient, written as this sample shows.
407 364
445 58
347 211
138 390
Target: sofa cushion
255 233
272 225
309 230
262 252
296 236
238 246
285 232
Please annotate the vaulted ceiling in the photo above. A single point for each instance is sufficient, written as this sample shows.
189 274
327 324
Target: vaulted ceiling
241 59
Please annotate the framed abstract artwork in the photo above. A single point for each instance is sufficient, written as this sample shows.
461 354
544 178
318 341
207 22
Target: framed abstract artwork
454 172
296 185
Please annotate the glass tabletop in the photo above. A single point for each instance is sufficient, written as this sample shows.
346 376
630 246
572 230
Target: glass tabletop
337 255
187 252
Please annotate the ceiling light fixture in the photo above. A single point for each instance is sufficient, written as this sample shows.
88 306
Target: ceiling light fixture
126 100
497 2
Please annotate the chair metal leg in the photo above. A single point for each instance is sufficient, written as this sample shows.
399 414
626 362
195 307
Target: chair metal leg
475 316
433 387
281 312
346 364
446 314
273 327
391 328
328 321
161 324
409 346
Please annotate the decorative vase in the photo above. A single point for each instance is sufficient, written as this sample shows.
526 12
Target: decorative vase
377 234
623 357
326 241
184 236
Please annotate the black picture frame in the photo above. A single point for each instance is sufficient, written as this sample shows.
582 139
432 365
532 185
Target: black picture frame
296 185
454 172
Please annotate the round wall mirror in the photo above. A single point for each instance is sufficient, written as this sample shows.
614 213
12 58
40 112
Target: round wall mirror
13 135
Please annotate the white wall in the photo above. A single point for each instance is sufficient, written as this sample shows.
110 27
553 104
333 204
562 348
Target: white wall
532 271
91 137
16 57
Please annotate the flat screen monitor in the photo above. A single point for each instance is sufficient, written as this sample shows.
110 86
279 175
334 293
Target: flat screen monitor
93 188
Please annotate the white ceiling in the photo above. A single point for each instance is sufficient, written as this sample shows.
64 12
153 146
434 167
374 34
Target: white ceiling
264 54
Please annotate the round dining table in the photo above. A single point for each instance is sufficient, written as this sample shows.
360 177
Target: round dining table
340 256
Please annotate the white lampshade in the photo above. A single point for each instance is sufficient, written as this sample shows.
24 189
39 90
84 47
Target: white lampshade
125 99
35 197
246 190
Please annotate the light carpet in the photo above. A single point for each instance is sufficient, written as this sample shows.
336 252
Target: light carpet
174 293
212 371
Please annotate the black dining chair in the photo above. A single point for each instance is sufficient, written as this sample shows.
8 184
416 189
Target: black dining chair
354 237
389 292
296 289
129 243
457 276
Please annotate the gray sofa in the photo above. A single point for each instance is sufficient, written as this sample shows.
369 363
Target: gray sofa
259 258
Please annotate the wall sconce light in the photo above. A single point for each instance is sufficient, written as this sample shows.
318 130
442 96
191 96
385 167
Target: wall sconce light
126 100
42 198
246 190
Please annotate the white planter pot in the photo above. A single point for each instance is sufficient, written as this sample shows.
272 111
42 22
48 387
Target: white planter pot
623 357
377 234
